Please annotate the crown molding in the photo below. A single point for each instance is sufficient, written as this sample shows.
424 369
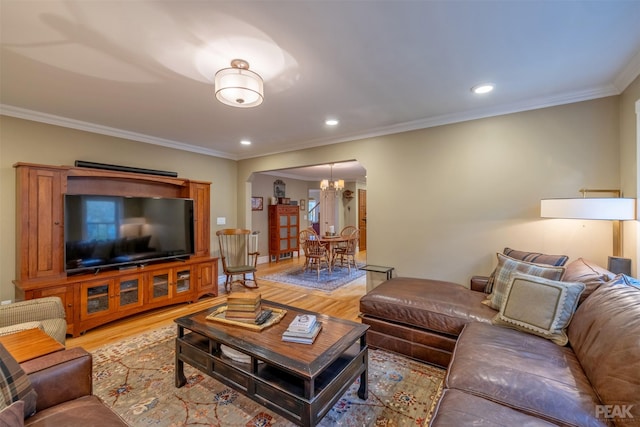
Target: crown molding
36 116
446 119
628 74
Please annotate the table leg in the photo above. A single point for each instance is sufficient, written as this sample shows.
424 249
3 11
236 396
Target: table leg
363 390
180 379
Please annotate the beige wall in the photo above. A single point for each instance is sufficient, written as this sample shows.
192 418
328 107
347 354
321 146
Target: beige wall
442 201
629 158
31 142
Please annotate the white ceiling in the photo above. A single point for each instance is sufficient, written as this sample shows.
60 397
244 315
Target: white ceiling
144 70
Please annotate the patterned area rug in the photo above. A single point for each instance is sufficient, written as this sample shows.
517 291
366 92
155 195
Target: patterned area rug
338 277
135 377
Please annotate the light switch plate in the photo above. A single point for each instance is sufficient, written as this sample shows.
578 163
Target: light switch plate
221 220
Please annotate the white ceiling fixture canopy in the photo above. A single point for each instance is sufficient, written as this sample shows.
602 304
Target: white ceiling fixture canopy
237 86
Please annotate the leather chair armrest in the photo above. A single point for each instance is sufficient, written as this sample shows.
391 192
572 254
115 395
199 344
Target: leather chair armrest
60 377
478 283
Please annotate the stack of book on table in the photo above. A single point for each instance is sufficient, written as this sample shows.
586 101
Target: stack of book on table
304 328
243 306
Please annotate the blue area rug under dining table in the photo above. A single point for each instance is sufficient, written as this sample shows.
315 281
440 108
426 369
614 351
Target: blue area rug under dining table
339 276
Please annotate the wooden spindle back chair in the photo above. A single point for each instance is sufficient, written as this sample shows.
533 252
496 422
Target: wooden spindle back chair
315 253
239 257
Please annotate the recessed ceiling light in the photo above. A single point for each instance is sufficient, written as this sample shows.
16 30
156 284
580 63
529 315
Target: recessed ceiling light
245 142
331 122
483 88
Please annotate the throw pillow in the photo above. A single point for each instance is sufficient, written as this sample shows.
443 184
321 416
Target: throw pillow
539 306
628 280
13 415
506 266
535 257
15 384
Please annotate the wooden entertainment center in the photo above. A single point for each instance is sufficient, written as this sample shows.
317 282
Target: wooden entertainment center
93 299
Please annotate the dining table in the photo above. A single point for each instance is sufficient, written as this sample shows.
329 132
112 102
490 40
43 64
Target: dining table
331 243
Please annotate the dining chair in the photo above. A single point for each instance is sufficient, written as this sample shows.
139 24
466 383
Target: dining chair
315 253
345 232
239 257
347 252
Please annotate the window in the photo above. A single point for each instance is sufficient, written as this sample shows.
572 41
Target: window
314 214
101 219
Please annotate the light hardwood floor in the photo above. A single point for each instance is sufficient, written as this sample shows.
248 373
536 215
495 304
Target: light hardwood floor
343 303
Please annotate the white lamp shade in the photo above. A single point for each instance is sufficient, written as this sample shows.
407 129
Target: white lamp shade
589 208
239 87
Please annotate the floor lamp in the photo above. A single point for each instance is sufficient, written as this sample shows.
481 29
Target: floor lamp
615 209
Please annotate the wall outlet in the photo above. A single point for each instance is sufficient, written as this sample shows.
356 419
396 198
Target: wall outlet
5 302
221 220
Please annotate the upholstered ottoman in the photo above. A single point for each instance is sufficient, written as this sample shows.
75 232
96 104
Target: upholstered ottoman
421 318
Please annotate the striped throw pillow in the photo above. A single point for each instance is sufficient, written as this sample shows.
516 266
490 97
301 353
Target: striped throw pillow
15 384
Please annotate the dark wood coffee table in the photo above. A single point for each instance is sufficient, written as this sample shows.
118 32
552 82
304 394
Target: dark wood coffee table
301 382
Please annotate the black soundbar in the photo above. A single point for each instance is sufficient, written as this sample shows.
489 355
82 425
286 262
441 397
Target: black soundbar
85 164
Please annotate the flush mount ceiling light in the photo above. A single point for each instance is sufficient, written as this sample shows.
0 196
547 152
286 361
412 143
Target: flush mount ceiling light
239 87
331 122
483 88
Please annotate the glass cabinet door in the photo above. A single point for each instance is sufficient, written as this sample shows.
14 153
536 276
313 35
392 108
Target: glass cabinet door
183 280
129 292
293 231
160 285
95 297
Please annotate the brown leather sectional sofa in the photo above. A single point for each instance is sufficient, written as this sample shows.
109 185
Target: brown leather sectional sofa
498 376
63 383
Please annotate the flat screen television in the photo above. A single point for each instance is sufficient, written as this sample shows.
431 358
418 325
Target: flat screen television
106 232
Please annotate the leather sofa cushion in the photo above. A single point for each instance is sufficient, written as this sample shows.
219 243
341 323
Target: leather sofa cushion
13 415
589 273
456 408
605 335
82 412
435 305
524 372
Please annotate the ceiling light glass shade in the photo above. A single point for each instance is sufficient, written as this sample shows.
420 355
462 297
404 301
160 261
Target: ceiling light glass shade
238 86
330 184
338 184
589 208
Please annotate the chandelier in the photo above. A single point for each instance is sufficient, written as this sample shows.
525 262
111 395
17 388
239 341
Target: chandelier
330 184
239 87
